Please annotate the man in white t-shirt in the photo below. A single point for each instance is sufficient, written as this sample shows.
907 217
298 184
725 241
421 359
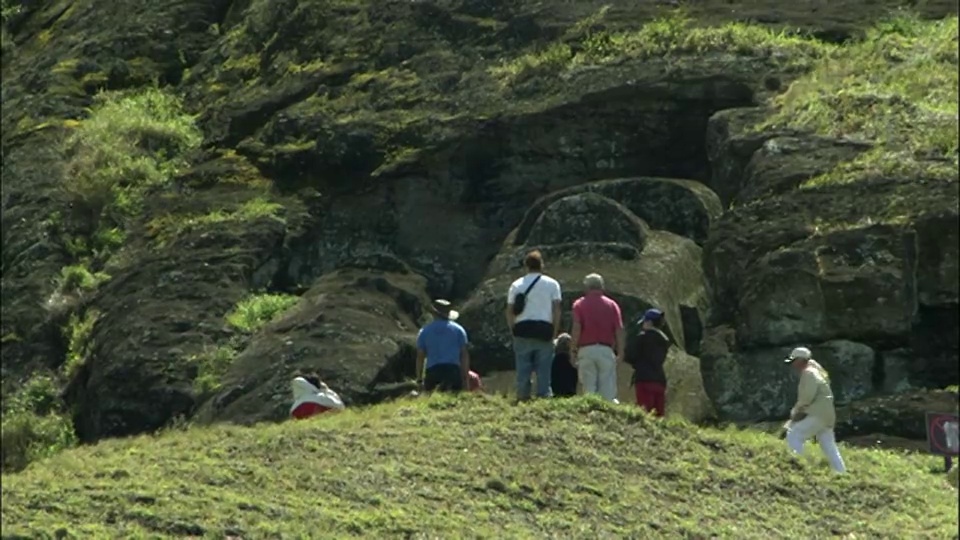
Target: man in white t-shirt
533 316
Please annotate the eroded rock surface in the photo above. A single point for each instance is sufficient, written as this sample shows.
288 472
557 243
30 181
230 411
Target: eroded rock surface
683 207
355 328
588 218
794 263
756 384
901 415
392 143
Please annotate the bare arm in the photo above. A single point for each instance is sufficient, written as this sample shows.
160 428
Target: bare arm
575 331
421 356
574 338
620 335
621 343
556 318
465 366
511 318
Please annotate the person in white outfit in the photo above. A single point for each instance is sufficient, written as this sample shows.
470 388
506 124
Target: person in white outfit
311 397
814 415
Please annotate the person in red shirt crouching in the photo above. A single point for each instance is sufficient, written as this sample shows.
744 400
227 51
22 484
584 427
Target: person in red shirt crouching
311 396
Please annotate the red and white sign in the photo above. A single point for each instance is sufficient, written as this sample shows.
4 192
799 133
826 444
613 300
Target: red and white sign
943 433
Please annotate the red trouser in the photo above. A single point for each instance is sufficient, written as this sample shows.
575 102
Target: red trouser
308 409
652 397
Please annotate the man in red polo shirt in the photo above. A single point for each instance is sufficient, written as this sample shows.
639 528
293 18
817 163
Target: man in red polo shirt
598 339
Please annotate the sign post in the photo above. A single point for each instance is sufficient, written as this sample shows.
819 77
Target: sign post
943 436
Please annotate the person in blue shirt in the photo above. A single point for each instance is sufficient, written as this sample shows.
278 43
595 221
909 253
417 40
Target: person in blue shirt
442 344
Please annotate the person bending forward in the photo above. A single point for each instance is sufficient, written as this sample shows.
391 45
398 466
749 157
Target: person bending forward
442 344
814 415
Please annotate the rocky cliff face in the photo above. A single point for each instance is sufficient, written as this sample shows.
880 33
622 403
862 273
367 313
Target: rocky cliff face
368 155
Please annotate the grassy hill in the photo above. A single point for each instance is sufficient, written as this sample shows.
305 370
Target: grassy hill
473 467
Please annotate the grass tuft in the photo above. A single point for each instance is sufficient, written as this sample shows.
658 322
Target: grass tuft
129 144
474 466
897 89
78 278
259 309
673 35
35 426
679 35
212 364
166 228
78 331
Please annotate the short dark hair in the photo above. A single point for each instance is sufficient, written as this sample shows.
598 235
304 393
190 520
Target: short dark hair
533 260
313 379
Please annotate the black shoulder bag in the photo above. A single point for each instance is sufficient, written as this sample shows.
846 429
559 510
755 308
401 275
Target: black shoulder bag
520 302
539 330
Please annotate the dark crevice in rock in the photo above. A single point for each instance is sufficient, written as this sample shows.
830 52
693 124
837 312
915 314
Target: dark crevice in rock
29 13
692 329
398 368
222 10
934 338
879 375
409 303
835 36
73 392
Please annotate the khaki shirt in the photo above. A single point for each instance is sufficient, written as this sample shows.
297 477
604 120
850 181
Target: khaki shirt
814 396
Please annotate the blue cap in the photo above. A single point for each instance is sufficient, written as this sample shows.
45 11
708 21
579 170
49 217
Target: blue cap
652 314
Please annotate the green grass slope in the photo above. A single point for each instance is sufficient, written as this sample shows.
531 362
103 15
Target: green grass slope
473 467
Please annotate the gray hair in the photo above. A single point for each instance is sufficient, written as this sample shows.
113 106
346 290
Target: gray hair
593 281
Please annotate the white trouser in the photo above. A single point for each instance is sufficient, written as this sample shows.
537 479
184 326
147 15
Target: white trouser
597 366
799 432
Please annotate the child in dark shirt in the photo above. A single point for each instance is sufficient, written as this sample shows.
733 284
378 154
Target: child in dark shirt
563 377
647 359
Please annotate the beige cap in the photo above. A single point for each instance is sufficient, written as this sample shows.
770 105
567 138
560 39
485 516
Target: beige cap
800 353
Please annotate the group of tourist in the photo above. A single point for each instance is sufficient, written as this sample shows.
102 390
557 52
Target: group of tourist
551 363
548 361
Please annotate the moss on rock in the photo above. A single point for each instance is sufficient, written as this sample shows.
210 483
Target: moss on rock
402 132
